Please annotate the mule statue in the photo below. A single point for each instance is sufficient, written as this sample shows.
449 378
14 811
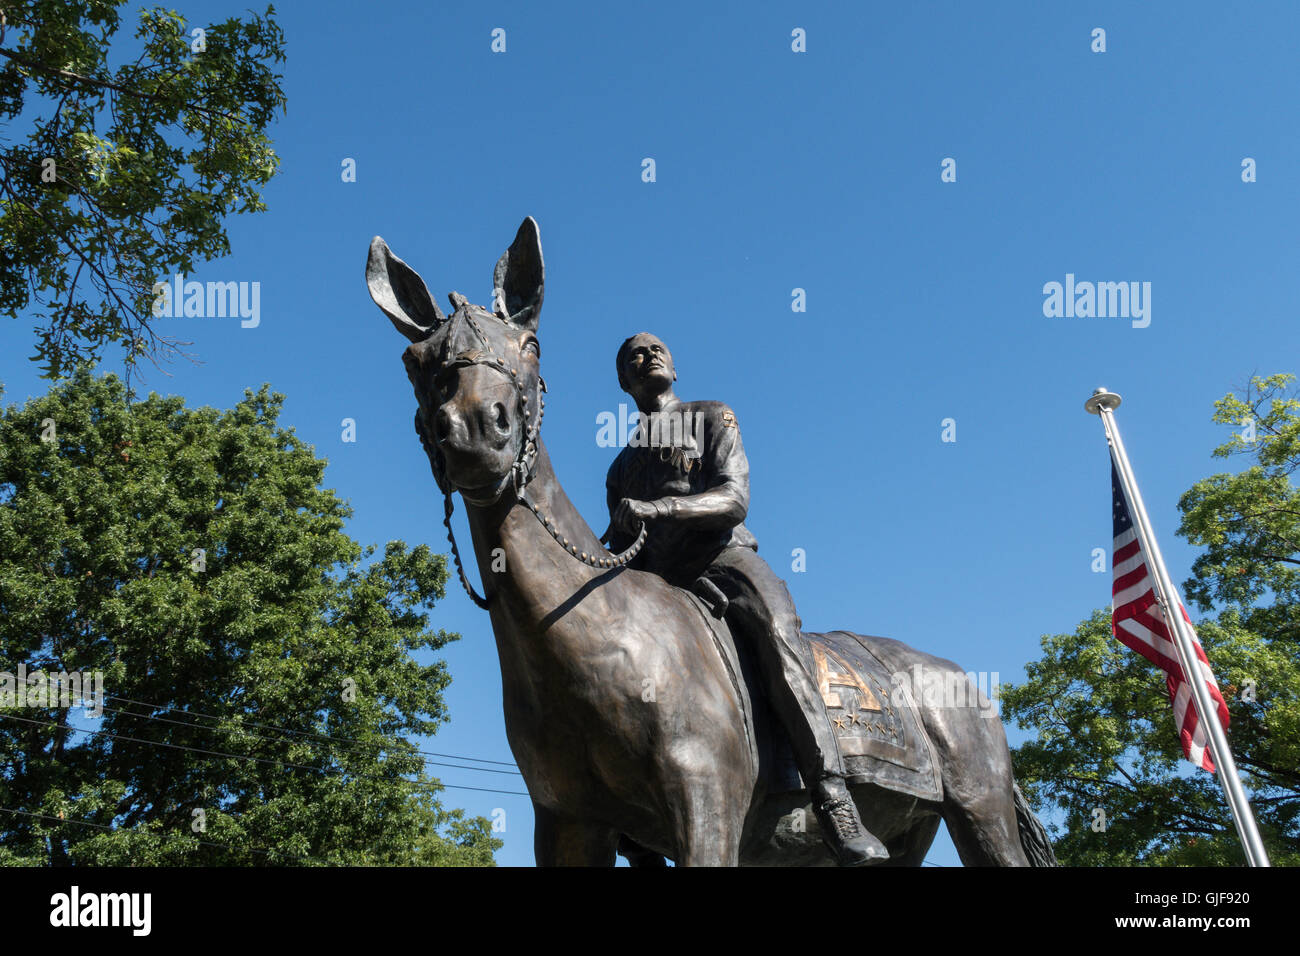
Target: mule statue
637 719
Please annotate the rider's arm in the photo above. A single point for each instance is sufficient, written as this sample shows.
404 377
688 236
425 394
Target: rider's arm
618 540
725 502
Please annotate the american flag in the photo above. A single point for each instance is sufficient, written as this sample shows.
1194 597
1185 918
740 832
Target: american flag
1138 625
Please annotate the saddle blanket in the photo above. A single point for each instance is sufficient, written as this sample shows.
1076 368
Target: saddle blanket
874 719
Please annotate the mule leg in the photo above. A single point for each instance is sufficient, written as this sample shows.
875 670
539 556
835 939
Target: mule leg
707 844
559 841
985 833
979 803
910 848
709 828
638 856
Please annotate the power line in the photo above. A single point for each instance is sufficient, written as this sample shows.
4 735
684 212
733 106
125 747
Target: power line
181 723
301 733
265 760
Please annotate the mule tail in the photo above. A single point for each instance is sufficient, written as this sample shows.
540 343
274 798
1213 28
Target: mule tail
1033 838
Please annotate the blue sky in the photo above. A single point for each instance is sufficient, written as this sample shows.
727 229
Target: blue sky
779 170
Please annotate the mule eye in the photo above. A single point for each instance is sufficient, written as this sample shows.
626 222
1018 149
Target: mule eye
532 345
445 381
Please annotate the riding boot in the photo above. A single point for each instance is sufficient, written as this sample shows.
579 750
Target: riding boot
759 607
841 827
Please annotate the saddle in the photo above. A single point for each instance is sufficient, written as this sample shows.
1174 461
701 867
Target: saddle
874 718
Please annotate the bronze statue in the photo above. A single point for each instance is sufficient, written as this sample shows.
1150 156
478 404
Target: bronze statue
635 716
694 496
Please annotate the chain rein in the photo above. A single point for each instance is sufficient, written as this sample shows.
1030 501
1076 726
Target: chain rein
521 474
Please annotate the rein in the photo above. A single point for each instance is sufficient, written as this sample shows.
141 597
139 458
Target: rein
521 473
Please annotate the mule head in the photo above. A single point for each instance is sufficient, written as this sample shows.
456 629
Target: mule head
476 373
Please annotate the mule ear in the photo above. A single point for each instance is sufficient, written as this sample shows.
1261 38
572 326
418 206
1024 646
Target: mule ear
400 292
520 277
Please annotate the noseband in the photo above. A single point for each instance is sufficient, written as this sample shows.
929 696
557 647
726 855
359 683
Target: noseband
521 472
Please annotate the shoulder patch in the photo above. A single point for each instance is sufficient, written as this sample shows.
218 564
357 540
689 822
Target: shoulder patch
728 419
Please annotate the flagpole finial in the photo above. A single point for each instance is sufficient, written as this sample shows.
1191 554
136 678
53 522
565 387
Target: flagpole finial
1102 399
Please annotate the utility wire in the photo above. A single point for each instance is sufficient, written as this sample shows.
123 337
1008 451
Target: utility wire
265 760
240 729
301 733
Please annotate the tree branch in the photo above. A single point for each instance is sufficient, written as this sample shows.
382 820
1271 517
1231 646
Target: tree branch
109 85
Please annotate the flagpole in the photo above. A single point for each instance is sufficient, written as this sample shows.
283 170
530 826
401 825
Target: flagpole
1103 404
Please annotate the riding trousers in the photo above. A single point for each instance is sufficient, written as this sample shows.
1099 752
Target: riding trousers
762 612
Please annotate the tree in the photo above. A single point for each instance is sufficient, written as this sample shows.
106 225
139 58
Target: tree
1105 754
1249 523
259 662
129 171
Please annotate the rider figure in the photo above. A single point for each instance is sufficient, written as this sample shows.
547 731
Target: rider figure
693 495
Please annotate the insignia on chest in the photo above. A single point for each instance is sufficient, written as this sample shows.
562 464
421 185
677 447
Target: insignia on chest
673 437
679 458
652 462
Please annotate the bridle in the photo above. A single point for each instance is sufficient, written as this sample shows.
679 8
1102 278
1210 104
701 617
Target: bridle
521 472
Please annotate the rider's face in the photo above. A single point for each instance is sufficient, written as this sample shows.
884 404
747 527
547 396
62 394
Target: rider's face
648 366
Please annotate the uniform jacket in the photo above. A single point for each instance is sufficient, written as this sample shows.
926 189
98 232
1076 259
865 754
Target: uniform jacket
691 458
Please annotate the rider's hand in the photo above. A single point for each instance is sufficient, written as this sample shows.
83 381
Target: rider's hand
630 513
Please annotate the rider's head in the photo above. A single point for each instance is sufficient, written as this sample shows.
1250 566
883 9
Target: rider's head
645 366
